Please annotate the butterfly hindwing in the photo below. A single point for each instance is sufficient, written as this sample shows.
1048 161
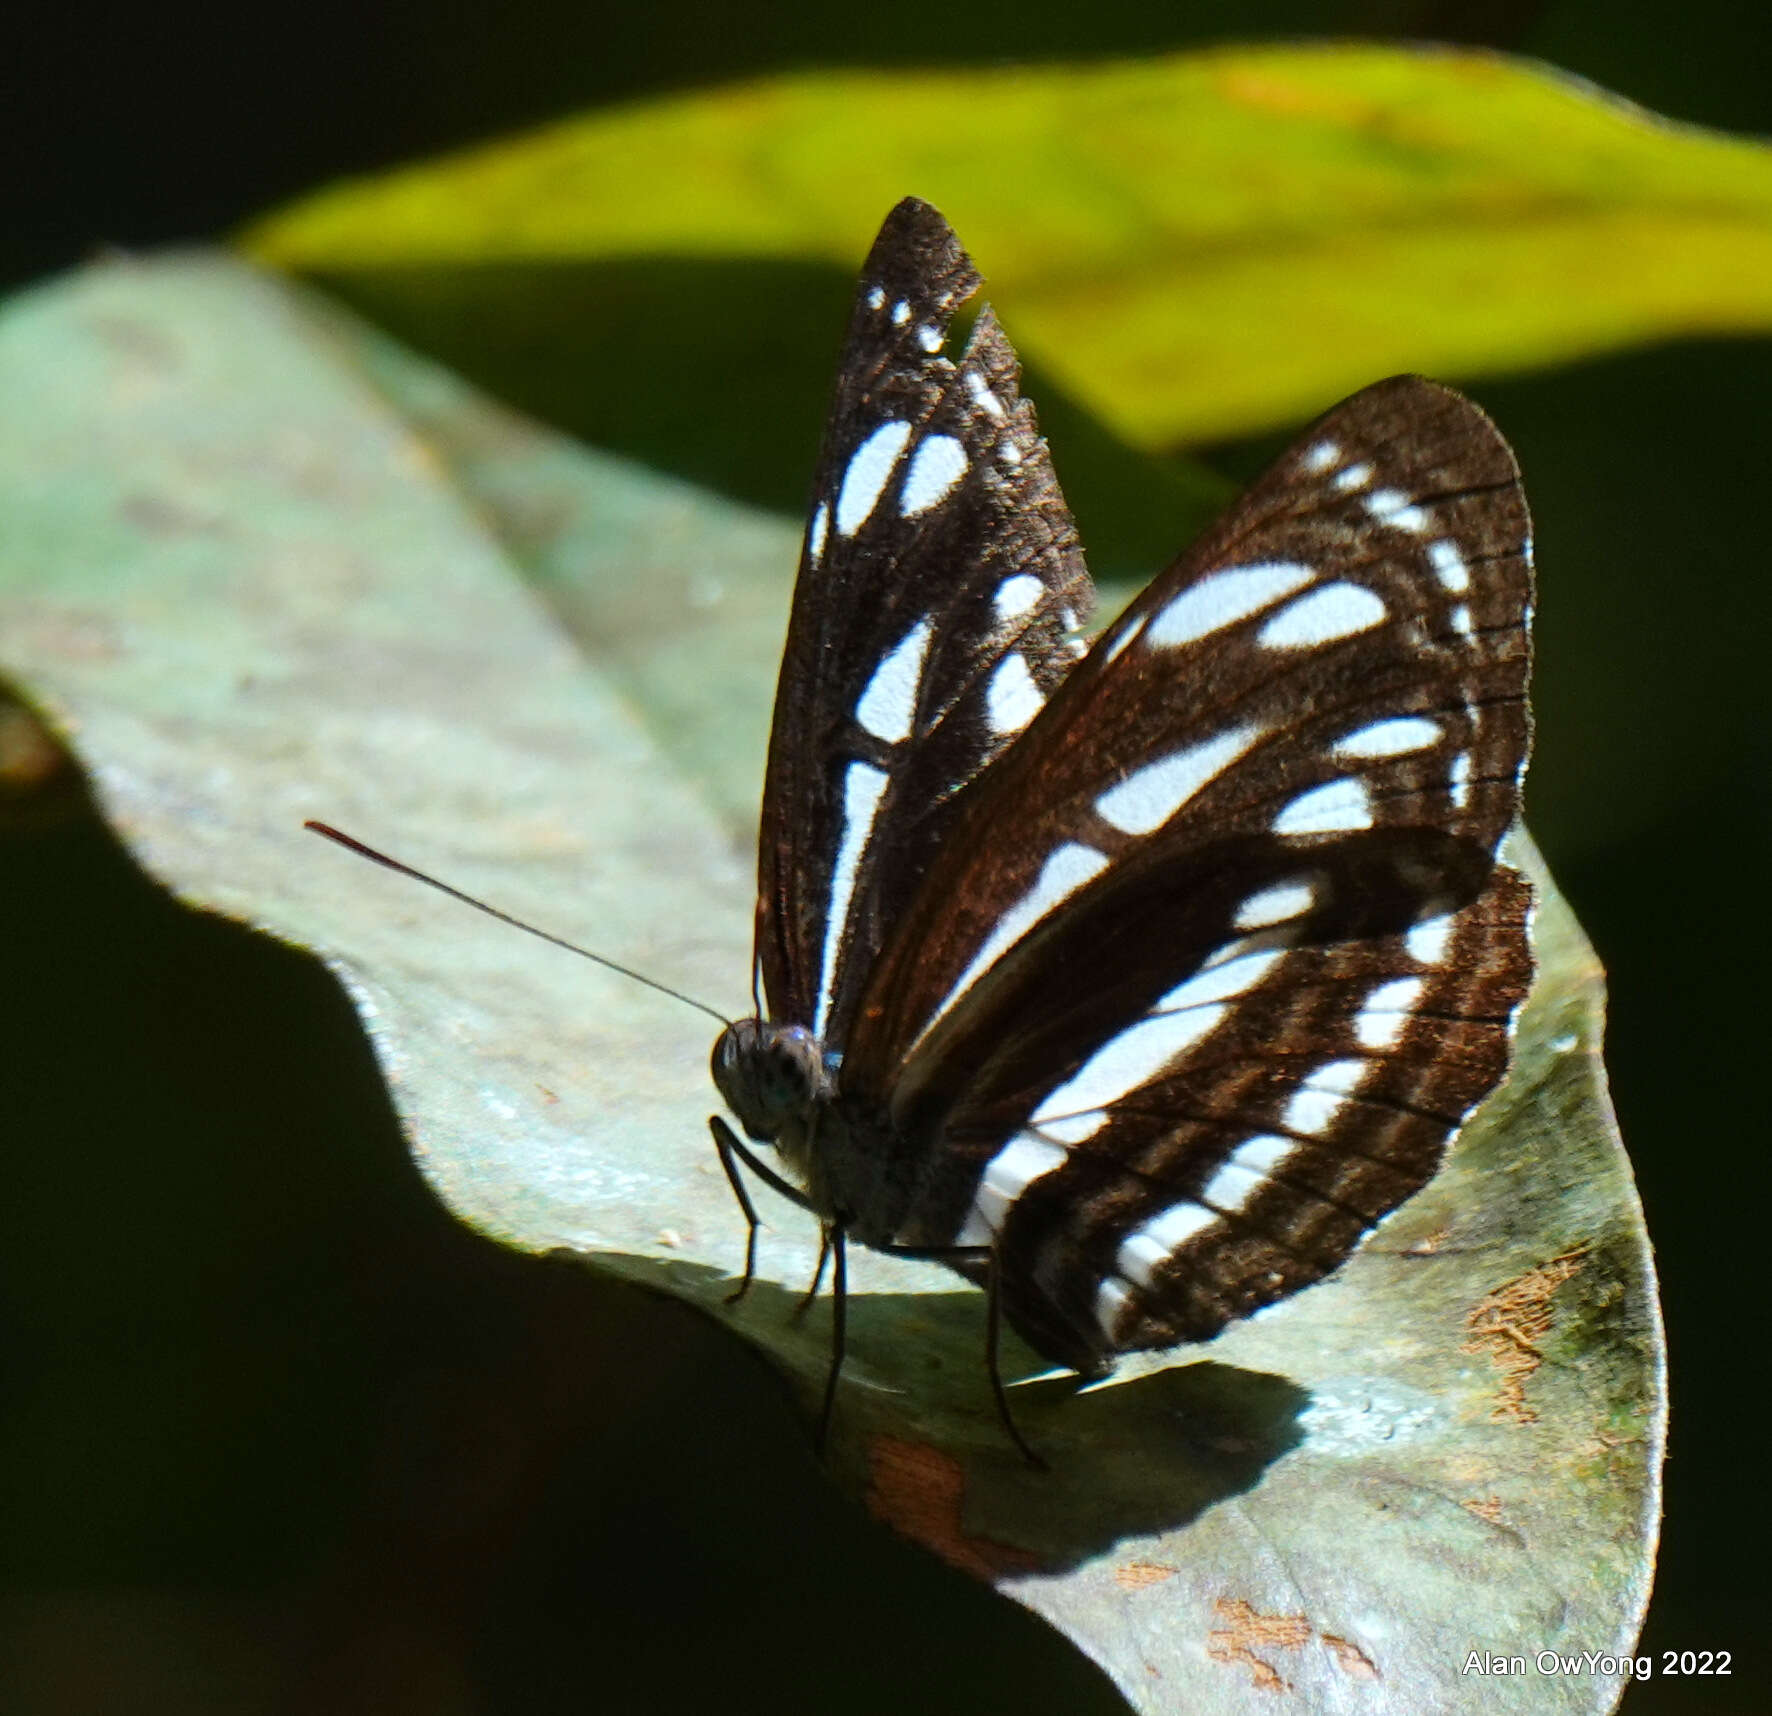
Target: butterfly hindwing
940 584
1237 1138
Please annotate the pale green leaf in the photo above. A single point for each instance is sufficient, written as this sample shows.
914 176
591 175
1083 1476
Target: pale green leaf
258 565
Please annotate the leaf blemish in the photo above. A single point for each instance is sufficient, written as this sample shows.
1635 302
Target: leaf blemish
1248 1631
1350 1659
1136 1575
1507 1324
918 1491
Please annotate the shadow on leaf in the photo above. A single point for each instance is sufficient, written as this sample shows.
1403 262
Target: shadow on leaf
1128 1458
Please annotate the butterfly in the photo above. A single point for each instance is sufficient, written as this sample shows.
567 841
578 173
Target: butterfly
1136 980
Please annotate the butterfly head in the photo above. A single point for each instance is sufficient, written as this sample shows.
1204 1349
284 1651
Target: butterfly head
772 1076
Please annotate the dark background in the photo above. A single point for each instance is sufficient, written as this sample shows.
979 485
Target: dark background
276 1435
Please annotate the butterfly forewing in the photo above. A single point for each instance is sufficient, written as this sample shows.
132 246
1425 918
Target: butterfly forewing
1164 971
940 586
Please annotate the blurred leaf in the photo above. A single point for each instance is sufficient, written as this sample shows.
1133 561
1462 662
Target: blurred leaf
1193 247
259 565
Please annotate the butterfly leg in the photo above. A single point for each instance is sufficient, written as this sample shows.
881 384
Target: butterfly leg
993 1323
824 1252
731 1153
727 1145
837 1236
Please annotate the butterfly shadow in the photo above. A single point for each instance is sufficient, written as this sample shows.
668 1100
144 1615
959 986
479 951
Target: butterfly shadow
915 1425
1125 1457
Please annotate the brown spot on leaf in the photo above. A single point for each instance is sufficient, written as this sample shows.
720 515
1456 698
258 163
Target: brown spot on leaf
30 758
1249 1631
135 341
1349 1658
1135 1575
1294 98
39 784
159 515
1507 1324
918 1490
1487 1508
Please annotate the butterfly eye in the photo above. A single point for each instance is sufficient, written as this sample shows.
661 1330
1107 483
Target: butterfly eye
770 1075
793 1067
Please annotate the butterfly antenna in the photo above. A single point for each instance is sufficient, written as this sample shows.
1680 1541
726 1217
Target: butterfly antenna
339 837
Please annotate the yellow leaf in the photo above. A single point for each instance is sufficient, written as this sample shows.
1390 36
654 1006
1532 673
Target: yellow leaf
1193 246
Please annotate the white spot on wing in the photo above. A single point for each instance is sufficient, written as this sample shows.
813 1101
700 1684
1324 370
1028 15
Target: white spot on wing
1149 796
1265 1152
863 786
1320 457
1428 940
1461 621
1074 1128
901 313
1276 905
889 705
1339 807
1222 982
1322 1096
982 395
1231 1187
1461 780
1012 698
1449 567
1006 1176
1132 1058
817 532
1063 873
870 465
929 337
1246 947
1015 596
1335 611
1009 453
1354 477
1111 1298
1393 738
875 297
1145 1247
1380 1022
1393 507
936 467
1222 599
1130 635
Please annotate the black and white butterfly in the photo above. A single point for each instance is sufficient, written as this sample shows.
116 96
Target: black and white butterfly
1139 980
